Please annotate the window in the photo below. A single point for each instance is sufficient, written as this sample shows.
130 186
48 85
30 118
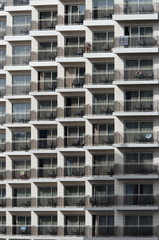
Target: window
103 103
47 191
103 41
74 77
21 136
2 58
74 190
47 81
21 55
103 73
103 9
2 29
21 25
139 158
74 46
21 112
22 192
21 164
138 6
103 190
47 51
74 14
48 20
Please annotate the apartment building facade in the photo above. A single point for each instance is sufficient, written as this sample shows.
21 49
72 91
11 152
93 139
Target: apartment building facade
79 119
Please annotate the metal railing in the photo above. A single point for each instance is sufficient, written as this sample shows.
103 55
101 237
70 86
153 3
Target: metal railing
137 74
74 171
44 143
19 117
21 202
103 231
105 108
144 199
47 230
71 111
21 173
139 231
99 201
140 168
103 170
71 82
2 92
18 89
44 86
76 201
72 141
2 146
17 2
47 172
20 145
71 19
21 230
3 229
100 78
44 55
136 8
100 13
47 201
136 41
19 29
100 46
71 51
2 63
44 24
100 139
2 202
20 60
137 106
137 137
2 174
44 114
74 230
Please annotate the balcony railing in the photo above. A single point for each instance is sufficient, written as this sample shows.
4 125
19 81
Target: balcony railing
71 51
18 89
2 92
2 146
20 60
2 119
140 200
100 13
21 230
3 229
71 19
103 170
105 108
100 46
137 106
74 230
136 41
100 78
137 137
20 29
71 141
21 202
2 63
44 86
20 145
44 143
3 4
100 139
18 2
19 117
47 201
99 201
71 82
44 55
139 231
47 172
44 24
71 111
136 8
47 230
137 75
74 171
21 174
2 174
2 202
76 201
103 231
2 32
140 168
44 114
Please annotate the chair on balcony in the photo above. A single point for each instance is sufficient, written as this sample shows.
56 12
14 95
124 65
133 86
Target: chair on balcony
52 56
22 230
78 19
